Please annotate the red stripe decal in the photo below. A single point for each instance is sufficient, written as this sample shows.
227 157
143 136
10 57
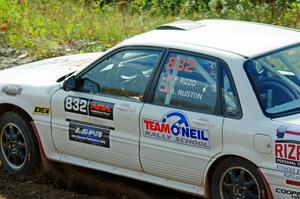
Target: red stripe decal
42 152
292 182
46 163
292 133
268 189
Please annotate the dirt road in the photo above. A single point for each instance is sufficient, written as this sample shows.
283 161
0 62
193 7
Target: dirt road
65 181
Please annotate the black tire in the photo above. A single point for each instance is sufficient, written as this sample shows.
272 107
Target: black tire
236 178
18 146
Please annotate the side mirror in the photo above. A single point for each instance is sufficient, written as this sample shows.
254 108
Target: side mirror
70 83
88 86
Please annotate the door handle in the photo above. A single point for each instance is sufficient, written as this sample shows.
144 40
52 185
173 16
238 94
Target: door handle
203 122
125 108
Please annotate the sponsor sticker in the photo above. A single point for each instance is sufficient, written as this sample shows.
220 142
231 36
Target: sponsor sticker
41 110
287 192
89 134
287 157
289 171
101 109
89 107
175 127
287 148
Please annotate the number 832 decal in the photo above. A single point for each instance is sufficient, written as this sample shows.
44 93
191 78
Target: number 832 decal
89 107
76 105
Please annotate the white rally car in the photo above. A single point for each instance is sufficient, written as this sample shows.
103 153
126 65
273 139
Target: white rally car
207 107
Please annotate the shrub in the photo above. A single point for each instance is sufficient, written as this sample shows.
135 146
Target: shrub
54 27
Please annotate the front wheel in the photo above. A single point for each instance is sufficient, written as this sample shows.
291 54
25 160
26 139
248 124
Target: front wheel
236 179
18 146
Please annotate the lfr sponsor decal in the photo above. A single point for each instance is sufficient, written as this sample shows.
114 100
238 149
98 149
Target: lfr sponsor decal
175 127
89 107
89 134
287 148
41 110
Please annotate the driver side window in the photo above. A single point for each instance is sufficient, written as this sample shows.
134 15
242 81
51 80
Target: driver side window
124 74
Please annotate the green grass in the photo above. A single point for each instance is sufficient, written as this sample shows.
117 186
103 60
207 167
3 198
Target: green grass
48 28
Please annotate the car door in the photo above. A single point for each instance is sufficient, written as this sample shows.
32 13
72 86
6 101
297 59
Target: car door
98 120
182 124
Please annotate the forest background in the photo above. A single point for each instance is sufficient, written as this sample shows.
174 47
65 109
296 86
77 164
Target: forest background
47 28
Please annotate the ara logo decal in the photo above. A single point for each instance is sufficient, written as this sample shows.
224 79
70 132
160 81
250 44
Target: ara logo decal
175 127
101 109
89 107
287 147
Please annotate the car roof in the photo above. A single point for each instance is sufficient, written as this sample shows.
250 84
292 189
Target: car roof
248 39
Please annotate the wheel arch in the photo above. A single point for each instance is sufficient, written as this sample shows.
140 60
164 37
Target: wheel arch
5 107
212 165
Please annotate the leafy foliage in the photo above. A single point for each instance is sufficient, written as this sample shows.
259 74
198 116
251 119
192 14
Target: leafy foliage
53 27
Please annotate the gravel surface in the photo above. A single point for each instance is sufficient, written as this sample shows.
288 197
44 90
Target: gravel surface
68 182
11 57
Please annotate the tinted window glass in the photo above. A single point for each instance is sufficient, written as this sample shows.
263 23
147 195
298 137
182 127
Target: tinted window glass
276 81
188 81
231 106
125 74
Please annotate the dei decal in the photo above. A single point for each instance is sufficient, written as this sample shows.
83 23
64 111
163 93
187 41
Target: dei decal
287 147
89 107
41 110
175 127
89 134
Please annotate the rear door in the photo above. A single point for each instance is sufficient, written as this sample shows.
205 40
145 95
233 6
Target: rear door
99 120
182 125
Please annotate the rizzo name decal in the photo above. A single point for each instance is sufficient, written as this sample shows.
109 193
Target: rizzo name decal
89 107
175 127
287 148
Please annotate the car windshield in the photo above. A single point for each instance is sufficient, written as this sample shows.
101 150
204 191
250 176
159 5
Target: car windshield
276 81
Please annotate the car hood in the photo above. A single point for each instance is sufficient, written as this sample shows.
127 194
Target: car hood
48 70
